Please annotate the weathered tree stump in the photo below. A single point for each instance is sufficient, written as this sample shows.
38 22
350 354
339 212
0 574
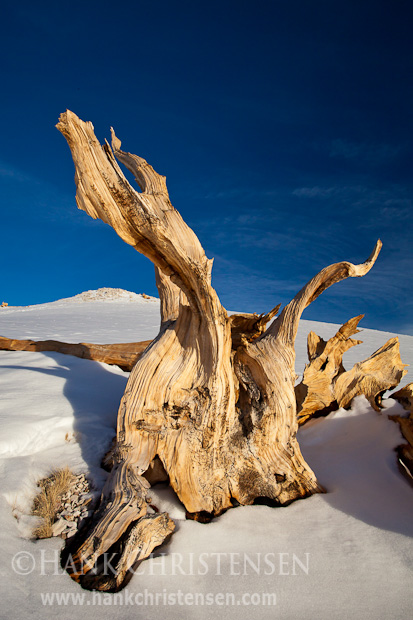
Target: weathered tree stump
211 399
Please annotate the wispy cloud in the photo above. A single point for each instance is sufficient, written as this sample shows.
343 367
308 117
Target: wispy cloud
242 193
371 153
28 196
319 192
391 202
244 289
13 173
400 209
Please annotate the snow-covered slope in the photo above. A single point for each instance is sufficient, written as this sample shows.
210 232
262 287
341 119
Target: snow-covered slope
345 553
103 316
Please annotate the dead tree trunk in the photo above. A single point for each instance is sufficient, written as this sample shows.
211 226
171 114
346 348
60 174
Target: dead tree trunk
212 397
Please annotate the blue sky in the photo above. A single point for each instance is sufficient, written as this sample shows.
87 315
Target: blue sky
284 130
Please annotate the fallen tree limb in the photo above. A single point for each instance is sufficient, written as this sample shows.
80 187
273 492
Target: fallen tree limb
315 394
382 371
124 355
326 385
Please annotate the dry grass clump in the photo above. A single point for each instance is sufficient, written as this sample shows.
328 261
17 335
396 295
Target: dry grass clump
47 502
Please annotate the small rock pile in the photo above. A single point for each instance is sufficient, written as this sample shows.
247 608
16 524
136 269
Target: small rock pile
76 507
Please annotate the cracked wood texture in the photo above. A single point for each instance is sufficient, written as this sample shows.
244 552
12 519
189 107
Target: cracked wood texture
212 397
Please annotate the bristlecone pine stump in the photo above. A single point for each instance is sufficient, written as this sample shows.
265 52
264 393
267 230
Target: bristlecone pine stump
212 397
